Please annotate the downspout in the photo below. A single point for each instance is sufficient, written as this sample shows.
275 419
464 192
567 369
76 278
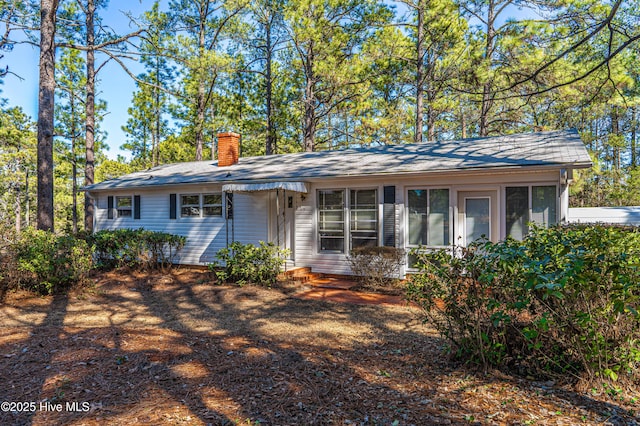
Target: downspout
226 220
278 217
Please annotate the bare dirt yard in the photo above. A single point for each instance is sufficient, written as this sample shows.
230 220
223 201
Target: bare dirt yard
170 348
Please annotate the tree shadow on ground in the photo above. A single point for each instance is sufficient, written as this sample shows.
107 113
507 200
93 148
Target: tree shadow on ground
199 354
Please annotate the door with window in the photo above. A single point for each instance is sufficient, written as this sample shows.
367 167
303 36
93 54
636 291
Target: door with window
477 216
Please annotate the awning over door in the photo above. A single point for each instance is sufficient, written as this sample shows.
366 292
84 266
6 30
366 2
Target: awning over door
267 186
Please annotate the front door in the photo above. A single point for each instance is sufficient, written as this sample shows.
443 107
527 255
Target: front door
290 223
477 216
283 210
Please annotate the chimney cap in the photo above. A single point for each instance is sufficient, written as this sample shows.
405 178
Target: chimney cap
232 134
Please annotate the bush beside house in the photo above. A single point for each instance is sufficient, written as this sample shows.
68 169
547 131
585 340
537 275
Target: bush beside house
47 263
565 300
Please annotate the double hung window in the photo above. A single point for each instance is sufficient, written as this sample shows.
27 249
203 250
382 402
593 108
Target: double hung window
124 206
339 218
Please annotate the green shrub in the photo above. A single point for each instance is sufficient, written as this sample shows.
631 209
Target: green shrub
377 266
47 263
247 263
563 300
135 248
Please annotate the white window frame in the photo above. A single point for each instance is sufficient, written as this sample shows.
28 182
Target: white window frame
200 206
120 209
530 187
408 212
346 211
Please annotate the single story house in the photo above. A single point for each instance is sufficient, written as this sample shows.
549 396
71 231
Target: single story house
320 205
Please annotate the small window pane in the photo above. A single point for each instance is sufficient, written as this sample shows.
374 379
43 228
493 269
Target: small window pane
190 200
190 211
517 211
212 210
123 202
209 199
418 217
332 216
477 221
438 234
543 205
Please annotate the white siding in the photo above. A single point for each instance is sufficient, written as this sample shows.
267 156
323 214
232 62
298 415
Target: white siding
254 213
205 236
306 241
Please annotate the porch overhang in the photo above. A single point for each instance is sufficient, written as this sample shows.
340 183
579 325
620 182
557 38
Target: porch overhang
266 186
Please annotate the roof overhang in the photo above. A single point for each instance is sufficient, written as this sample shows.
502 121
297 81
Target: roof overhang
267 186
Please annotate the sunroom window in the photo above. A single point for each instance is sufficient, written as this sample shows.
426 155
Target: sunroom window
428 217
540 208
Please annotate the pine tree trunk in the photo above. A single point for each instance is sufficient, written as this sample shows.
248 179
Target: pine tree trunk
90 118
74 168
270 142
200 101
48 9
18 209
309 105
418 136
487 95
634 134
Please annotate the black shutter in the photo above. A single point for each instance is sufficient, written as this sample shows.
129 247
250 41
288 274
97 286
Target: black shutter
389 217
110 207
172 206
229 204
136 207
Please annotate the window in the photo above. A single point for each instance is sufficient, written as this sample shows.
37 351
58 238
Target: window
124 206
212 205
190 205
543 205
428 217
541 208
331 220
334 211
200 205
364 218
517 206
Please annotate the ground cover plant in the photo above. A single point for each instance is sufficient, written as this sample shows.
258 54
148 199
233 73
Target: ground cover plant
563 302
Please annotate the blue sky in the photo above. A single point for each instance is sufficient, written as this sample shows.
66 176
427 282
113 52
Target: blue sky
114 86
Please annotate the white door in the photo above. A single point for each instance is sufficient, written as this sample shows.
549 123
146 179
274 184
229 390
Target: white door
477 216
290 222
283 209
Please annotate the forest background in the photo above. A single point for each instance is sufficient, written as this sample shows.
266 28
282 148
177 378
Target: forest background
308 75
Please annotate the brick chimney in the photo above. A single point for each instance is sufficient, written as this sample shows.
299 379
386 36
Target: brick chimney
228 149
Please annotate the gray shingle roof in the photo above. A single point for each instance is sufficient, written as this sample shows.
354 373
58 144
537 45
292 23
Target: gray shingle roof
558 148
